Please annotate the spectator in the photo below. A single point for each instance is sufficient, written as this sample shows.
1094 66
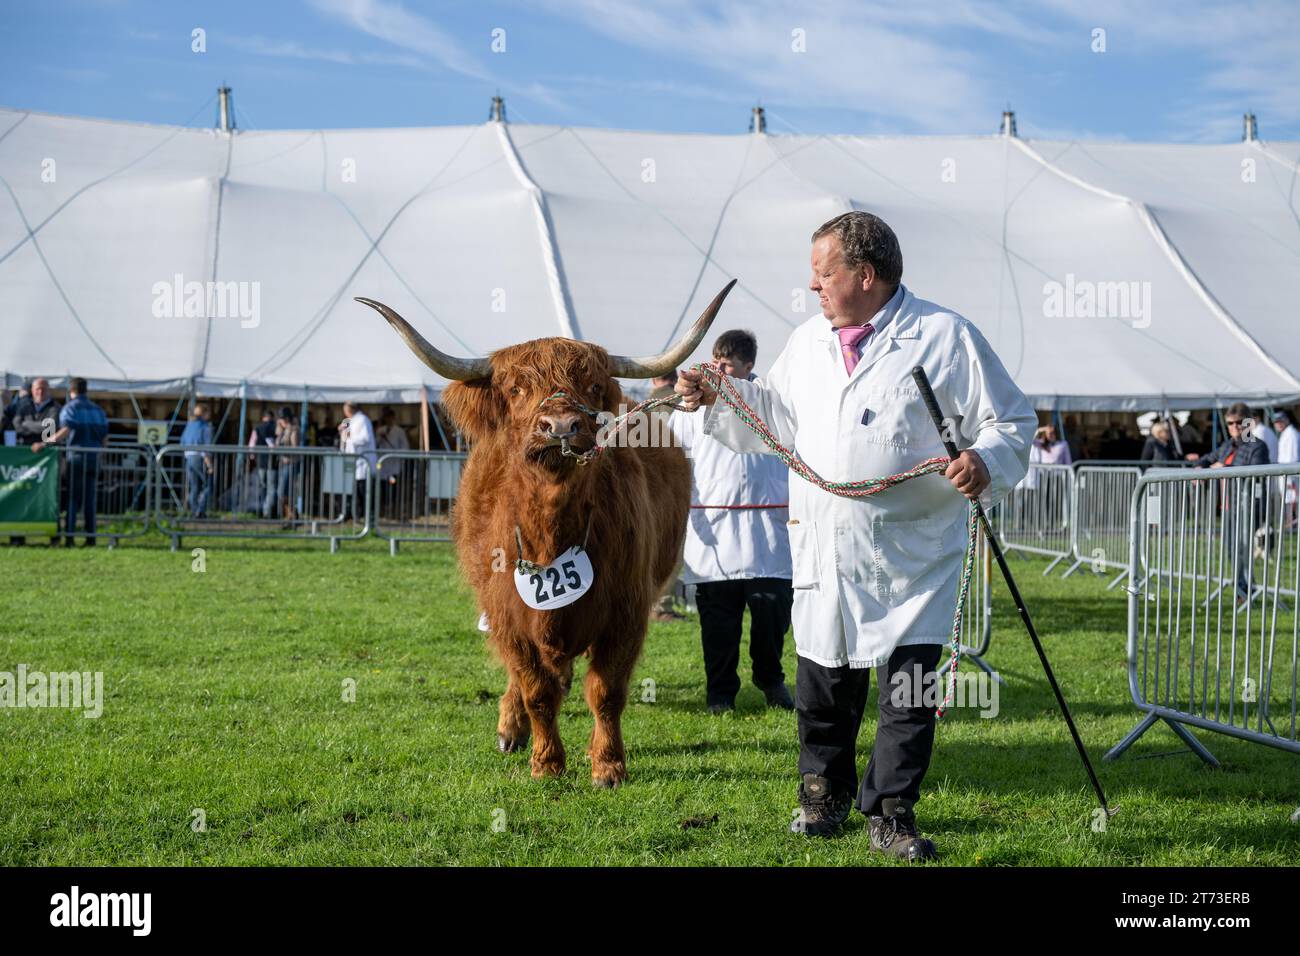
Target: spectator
1242 446
7 416
1159 445
287 435
1048 449
1239 519
262 437
357 437
35 417
737 548
85 426
198 463
1288 453
1261 429
392 436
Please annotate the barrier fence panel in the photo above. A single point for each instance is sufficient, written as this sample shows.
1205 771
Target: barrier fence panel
1034 517
1212 624
236 492
1100 524
105 490
414 491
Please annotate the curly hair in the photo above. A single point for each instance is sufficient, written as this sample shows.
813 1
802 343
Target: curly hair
865 238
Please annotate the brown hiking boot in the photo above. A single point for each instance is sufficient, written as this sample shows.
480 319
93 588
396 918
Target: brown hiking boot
822 811
894 833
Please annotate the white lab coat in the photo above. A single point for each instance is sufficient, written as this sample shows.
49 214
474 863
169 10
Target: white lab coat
359 439
870 574
730 543
1288 446
1264 432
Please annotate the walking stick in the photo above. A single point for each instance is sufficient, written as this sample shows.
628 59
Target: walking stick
931 403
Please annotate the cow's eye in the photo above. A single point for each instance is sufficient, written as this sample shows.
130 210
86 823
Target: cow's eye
515 391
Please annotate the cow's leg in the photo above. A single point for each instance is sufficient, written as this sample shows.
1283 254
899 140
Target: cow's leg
542 695
513 726
606 688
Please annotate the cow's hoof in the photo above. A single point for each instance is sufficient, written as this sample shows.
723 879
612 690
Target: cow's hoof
607 778
548 769
509 745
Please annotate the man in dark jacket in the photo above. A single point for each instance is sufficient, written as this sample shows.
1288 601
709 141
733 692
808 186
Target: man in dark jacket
36 416
1241 514
1242 447
84 426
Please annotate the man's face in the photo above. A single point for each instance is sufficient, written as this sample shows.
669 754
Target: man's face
842 288
1279 426
40 390
733 367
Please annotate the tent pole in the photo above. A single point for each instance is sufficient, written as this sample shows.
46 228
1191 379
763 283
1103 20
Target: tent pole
243 411
302 418
1173 431
437 423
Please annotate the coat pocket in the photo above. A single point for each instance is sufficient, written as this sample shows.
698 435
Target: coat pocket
915 557
805 570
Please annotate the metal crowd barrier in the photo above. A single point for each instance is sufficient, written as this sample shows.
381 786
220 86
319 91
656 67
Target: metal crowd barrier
1035 515
414 491
1212 624
1099 530
116 479
225 491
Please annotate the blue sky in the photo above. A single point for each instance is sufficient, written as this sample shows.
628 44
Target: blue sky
1175 71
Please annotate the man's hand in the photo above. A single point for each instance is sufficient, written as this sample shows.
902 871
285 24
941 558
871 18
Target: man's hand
37 446
968 474
694 389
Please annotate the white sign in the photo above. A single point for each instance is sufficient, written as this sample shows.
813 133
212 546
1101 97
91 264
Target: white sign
561 582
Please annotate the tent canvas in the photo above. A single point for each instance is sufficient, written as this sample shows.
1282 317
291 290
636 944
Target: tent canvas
1106 276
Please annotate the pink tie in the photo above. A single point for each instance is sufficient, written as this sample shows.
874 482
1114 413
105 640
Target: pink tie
849 339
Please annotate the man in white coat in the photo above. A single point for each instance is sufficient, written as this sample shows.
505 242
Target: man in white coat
357 436
875 579
737 552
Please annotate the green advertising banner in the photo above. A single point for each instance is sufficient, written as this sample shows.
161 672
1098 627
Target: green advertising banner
29 491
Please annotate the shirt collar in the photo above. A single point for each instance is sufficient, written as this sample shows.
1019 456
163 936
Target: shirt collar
888 312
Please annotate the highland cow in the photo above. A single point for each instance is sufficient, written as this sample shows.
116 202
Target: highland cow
527 411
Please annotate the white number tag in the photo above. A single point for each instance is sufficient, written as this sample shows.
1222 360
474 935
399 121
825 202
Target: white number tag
561 582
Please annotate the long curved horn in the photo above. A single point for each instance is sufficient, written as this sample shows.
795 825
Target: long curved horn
654 366
448 366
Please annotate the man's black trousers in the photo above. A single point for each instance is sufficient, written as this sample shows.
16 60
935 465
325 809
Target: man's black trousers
830 702
722 610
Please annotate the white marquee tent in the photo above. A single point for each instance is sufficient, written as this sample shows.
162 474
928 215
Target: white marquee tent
487 235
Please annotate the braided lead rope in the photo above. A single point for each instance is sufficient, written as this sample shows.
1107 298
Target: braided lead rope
728 392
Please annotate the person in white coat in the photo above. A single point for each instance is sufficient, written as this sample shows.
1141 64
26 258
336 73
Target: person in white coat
876 578
357 436
1288 453
737 552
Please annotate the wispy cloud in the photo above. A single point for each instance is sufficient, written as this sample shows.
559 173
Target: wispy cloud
289 49
931 66
394 24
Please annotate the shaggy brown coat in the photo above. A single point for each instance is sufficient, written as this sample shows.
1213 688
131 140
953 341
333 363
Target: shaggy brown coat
637 500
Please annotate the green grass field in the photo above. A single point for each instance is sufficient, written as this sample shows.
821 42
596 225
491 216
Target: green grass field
224 693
